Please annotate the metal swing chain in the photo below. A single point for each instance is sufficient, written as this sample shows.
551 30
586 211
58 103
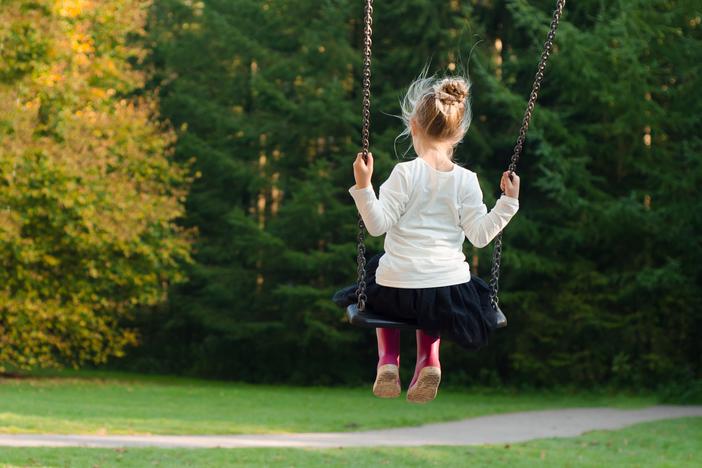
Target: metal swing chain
365 143
548 45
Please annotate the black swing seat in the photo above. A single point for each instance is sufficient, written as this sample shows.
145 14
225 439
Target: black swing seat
367 319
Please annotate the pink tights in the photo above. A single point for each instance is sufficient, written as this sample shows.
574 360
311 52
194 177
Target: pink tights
389 349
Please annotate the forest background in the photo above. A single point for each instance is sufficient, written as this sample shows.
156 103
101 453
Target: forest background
174 175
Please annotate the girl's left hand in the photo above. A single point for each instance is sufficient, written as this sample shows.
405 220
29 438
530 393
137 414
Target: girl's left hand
362 170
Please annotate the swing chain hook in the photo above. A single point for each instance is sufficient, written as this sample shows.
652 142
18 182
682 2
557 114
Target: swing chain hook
365 144
536 87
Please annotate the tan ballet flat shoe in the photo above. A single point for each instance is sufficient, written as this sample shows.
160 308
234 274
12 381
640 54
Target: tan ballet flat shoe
387 382
426 386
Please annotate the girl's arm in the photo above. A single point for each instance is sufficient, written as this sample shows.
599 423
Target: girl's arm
480 226
379 214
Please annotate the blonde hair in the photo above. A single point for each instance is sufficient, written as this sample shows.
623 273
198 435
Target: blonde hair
440 106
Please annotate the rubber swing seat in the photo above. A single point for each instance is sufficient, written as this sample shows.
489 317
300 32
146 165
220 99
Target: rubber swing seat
367 319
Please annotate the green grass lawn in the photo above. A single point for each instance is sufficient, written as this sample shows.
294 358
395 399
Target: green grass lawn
671 443
110 403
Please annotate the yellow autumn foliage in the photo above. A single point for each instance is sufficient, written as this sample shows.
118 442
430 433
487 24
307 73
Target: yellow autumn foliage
89 191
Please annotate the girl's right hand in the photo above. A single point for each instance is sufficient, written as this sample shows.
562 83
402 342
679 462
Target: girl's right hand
510 187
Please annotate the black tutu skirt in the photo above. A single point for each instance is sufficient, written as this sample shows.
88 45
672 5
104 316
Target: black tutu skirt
455 312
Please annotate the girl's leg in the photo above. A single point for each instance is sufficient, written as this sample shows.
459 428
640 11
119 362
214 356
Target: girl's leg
388 346
427 372
387 379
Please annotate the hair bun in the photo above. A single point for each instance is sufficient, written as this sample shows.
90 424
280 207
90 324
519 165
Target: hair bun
451 91
437 107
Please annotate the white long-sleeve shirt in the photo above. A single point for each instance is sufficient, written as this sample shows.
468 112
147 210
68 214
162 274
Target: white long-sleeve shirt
427 214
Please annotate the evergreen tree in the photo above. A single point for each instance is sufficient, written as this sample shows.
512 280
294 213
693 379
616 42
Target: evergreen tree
263 96
601 268
600 280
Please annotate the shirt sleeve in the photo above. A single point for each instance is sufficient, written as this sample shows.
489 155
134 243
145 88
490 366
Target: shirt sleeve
380 214
480 226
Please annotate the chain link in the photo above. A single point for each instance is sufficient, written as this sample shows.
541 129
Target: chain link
548 46
365 143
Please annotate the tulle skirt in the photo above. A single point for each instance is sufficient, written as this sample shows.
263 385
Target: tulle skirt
456 312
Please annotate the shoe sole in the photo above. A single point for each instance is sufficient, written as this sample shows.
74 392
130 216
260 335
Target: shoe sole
426 386
387 382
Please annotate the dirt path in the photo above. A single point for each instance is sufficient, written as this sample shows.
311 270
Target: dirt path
496 429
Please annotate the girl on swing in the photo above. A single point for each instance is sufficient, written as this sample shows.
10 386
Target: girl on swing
426 208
